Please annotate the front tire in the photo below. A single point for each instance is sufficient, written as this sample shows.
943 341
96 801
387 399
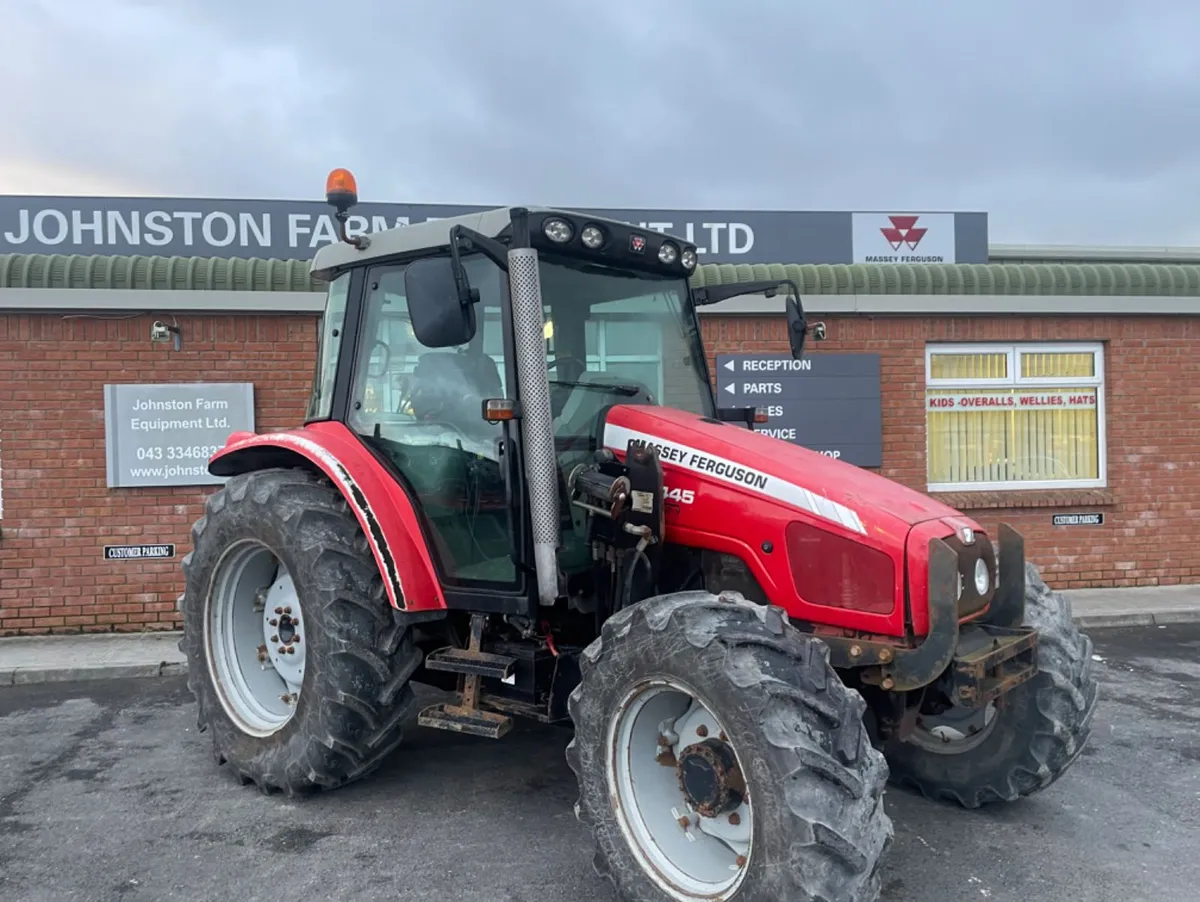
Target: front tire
1027 742
712 716
299 668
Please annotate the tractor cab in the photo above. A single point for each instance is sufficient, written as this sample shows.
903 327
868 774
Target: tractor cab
476 357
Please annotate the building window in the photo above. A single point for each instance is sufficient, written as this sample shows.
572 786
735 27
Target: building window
631 349
1014 416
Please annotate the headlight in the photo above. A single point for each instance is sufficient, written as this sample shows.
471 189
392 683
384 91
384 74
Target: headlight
688 259
983 579
558 230
668 253
592 236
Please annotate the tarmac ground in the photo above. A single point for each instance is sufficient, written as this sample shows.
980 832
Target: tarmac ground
108 793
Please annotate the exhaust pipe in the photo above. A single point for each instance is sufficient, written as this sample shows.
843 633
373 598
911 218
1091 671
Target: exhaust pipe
537 426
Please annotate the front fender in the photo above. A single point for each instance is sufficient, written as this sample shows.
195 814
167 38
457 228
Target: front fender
380 504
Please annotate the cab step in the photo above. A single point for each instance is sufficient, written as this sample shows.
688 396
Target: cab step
470 662
462 719
474 666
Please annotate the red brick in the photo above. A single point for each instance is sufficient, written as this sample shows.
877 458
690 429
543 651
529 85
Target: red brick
58 512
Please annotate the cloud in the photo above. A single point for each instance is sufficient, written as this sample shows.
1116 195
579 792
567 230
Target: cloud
1071 122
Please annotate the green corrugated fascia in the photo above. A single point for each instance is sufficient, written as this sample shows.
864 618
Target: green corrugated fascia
158 273
1128 279
214 274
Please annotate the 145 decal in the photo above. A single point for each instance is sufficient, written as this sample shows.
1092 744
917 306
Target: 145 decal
682 496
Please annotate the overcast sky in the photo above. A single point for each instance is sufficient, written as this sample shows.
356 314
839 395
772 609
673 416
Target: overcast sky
1067 121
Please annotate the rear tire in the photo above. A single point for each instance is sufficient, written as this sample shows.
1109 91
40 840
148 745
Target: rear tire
814 820
1035 735
350 659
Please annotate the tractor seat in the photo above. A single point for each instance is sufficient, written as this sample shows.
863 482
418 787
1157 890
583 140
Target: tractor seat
450 382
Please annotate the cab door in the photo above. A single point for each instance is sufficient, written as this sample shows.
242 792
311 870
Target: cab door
420 409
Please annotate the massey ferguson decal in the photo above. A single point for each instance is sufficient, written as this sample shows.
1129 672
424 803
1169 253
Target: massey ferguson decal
705 464
905 238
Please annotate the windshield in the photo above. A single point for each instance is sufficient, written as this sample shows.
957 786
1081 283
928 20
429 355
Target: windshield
613 336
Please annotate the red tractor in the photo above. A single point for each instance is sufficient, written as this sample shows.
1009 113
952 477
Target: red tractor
514 483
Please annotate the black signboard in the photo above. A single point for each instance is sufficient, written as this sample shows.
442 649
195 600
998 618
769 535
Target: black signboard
829 403
138 552
1096 519
295 229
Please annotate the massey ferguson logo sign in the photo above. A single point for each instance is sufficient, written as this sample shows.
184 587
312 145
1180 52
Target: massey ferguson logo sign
903 230
904 238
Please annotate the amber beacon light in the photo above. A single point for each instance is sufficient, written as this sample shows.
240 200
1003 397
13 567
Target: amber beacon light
341 193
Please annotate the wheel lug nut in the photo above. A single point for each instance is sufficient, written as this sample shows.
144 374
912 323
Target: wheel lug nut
741 861
702 730
291 651
287 610
684 822
274 622
735 819
274 638
297 638
279 610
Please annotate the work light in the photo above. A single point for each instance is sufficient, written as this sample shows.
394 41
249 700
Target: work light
558 230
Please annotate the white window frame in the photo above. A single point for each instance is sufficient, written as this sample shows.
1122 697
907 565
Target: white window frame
602 358
1014 379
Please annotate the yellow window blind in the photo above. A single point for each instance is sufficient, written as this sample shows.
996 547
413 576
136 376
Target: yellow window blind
1041 425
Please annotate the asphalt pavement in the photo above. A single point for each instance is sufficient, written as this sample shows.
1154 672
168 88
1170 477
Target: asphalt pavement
108 793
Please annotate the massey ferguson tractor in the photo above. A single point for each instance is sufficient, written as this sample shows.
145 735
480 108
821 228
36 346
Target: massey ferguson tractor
514 483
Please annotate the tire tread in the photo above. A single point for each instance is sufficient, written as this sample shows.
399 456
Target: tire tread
810 728
359 696
1065 695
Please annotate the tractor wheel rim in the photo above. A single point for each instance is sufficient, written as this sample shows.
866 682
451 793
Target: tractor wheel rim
955 731
255 639
680 790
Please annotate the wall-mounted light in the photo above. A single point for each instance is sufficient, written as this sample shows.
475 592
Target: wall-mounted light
161 332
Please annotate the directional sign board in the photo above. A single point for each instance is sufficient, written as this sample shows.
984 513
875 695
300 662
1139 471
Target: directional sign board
829 403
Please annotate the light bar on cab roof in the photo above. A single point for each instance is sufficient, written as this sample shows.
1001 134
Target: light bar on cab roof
617 243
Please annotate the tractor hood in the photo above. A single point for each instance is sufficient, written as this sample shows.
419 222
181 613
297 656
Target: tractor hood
769 467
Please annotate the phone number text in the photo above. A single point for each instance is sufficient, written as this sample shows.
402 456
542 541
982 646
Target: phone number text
195 452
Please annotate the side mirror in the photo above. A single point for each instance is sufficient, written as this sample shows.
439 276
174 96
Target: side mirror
797 327
440 319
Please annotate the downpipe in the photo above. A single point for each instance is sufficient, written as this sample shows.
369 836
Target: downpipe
537 426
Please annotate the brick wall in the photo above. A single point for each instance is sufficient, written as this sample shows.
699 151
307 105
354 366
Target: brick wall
1152 390
58 513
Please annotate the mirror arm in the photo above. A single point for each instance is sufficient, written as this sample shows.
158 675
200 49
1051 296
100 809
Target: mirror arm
714 294
469 239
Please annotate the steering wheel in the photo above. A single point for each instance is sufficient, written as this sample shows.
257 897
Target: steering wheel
565 357
387 358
